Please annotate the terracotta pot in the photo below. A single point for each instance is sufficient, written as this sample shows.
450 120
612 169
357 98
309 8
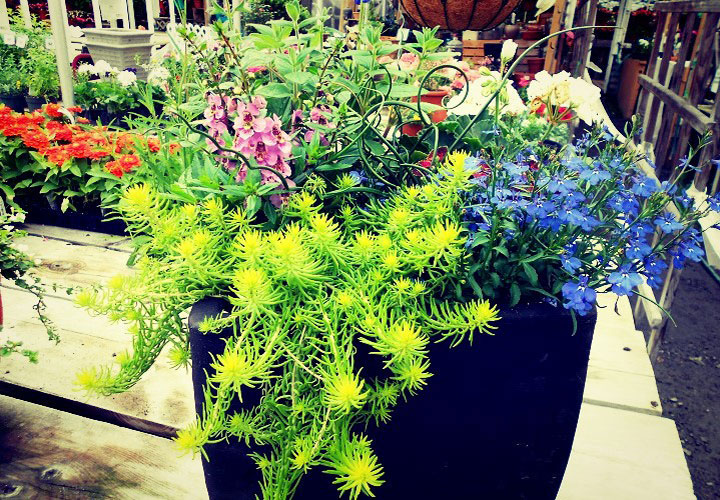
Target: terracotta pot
458 15
432 97
512 31
535 64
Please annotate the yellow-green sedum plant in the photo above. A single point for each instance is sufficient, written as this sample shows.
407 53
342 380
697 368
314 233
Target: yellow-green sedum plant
304 298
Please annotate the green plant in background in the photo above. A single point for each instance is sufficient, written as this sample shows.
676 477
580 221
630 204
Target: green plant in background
12 80
264 11
40 69
14 267
305 298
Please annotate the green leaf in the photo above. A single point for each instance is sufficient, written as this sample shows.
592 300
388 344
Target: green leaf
75 170
253 204
514 295
275 90
531 273
301 78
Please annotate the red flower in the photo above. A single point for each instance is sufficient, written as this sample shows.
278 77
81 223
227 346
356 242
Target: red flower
122 165
56 154
75 109
153 145
35 139
60 131
129 162
52 110
174 148
82 119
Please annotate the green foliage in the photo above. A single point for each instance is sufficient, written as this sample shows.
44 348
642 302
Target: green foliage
15 266
305 300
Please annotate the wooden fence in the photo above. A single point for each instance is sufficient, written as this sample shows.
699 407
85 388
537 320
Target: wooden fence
671 105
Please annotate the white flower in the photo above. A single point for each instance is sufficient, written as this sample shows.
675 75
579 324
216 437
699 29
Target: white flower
480 92
509 48
126 78
86 68
543 5
561 90
158 75
103 67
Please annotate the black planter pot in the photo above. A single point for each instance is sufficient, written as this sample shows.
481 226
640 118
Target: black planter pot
35 103
89 217
14 102
496 420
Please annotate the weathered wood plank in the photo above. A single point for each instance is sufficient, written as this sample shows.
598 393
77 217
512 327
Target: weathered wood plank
163 396
53 454
69 265
77 237
694 117
622 455
688 6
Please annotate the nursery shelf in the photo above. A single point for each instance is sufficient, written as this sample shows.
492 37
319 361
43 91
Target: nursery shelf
60 443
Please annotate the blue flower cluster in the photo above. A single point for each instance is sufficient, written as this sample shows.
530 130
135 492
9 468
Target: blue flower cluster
591 217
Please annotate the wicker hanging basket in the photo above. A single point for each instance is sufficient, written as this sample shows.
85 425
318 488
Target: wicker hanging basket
458 15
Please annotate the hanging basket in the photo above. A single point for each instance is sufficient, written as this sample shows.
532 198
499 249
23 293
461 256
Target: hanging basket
458 15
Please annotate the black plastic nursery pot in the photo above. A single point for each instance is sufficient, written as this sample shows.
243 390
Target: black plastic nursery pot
36 103
15 102
86 218
496 420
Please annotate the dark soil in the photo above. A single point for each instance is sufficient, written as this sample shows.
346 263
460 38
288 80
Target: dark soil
687 369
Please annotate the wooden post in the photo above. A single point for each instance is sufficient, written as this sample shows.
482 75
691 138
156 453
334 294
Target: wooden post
130 14
150 15
618 40
552 46
4 20
171 12
25 11
57 23
96 14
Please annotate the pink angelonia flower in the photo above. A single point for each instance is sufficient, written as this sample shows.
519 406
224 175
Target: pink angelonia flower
256 69
216 107
408 61
280 199
231 104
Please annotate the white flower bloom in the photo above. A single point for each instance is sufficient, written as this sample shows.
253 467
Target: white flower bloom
543 5
86 68
480 92
158 75
126 78
509 49
561 90
103 67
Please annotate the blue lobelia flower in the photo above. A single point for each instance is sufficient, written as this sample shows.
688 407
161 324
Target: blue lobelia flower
692 250
668 223
644 186
540 207
624 280
685 201
595 174
561 185
637 249
579 296
624 202
653 269
573 198
570 264
714 201
570 215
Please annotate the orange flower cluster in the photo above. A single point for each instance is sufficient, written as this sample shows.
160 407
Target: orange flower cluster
48 133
